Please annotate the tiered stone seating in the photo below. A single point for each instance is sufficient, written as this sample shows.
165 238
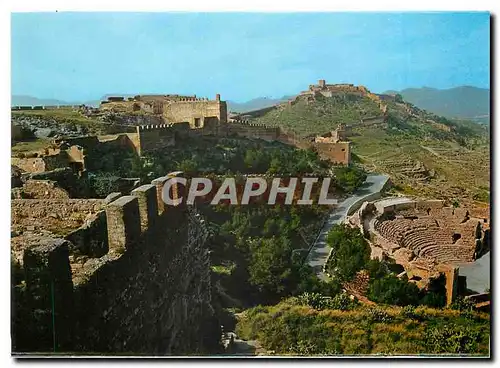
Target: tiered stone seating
430 236
449 253
392 230
419 241
443 237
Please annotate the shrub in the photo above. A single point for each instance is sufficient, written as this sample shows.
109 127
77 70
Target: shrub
462 305
393 290
314 300
342 302
350 249
349 178
317 301
434 299
378 315
452 339
409 311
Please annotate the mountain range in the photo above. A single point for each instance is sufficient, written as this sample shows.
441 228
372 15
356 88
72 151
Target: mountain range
464 102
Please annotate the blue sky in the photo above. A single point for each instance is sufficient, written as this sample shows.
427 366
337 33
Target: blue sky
82 56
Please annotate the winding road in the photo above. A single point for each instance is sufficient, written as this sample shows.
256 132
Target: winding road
370 190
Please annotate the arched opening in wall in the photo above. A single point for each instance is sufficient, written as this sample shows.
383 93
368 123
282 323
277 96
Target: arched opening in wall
136 107
410 217
428 211
197 122
455 237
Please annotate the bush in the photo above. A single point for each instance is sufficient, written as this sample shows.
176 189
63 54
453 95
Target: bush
452 339
378 315
314 300
392 290
409 311
462 305
350 252
434 299
349 178
317 301
342 302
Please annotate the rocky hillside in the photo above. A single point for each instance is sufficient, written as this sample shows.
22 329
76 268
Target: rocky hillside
424 153
74 122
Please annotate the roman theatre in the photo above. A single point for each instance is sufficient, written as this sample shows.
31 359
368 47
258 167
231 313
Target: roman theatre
424 236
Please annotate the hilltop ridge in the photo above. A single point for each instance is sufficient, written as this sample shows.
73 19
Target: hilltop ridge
429 155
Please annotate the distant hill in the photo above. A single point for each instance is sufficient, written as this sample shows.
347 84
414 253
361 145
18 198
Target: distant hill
23 100
255 104
464 102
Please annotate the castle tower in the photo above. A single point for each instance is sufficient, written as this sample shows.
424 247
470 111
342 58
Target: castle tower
322 83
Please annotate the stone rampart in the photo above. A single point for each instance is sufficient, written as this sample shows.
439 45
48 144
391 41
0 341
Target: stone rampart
143 289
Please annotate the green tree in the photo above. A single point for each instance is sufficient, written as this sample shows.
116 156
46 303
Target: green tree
393 290
350 251
270 265
188 166
349 178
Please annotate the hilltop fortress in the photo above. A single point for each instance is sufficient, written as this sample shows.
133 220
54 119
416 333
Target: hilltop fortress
182 117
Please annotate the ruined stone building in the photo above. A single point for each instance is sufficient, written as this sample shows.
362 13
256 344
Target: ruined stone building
334 145
329 90
181 117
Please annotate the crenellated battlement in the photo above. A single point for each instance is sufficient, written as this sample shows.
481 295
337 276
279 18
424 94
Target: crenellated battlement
194 99
155 126
73 294
248 122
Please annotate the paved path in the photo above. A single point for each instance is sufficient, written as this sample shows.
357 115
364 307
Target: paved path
478 273
320 250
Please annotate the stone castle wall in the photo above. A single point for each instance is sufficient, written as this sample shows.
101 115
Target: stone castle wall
198 112
250 130
154 137
149 293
